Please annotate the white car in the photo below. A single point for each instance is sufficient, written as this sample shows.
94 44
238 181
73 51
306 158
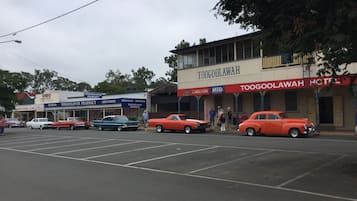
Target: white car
40 123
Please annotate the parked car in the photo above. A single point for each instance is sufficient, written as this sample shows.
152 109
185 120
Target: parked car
40 123
178 122
276 123
71 123
3 124
115 122
13 122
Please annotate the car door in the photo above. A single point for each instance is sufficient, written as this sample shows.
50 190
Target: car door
35 124
172 122
274 124
107 122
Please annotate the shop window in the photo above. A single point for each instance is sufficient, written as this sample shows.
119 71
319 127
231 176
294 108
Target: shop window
290 101
200 57
257 101
240 103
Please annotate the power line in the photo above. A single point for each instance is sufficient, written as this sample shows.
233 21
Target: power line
49 20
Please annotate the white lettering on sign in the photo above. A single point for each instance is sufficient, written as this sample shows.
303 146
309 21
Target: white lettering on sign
219 72
273 85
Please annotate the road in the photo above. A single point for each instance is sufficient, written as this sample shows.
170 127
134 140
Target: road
92 165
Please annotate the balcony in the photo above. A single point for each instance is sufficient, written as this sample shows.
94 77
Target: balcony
283 60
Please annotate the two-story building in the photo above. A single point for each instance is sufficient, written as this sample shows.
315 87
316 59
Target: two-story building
237 73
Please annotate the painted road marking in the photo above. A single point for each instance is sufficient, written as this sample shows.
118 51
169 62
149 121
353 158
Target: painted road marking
70 145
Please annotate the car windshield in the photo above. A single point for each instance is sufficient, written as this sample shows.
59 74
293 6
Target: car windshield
184 117
283 115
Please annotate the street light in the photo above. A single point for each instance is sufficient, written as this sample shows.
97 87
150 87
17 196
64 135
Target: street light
9 41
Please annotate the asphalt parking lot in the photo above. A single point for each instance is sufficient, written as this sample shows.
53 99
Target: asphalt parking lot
110 165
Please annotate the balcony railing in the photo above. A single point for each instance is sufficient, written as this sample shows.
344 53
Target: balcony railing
283 60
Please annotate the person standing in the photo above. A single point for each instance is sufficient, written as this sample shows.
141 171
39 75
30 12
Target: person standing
221 119
229 118
212 115
145 118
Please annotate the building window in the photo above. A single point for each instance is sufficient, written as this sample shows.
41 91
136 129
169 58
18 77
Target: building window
231 52
240 54
187 60
219 55
257 100
256 48
248 49
290 101
212 56
224 53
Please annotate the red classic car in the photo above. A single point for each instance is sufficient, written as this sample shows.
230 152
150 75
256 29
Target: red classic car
71 123
276 123
178 122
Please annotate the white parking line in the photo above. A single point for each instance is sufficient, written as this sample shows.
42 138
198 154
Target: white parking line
133 150
309 172
171 155
232 161
192 176
22 139
70 145
30 141
46 143
92 148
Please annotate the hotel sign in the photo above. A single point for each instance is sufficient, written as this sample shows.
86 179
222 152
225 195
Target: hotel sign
219 72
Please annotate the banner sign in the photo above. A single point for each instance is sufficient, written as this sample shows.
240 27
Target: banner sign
267 86
126 103
219 72
92 95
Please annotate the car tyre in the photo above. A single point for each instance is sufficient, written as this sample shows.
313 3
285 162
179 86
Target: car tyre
100 128
294 133
187 129
250 131
72 127
159 129
119 128
41 127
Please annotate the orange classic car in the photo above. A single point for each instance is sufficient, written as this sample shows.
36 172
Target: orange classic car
72 123
178 122
276 123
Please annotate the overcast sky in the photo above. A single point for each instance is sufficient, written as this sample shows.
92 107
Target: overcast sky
109 34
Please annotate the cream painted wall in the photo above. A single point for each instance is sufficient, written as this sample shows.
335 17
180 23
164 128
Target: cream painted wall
250 71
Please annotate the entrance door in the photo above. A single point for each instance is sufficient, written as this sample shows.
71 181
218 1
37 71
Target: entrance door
326 110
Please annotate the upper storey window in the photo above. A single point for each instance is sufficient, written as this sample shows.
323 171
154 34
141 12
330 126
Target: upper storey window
187 60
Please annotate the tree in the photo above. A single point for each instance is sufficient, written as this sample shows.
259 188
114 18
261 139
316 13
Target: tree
7 95
115 83
83 86
326 26
43 79
171 60
142 77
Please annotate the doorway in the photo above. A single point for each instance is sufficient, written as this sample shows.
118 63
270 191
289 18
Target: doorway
326 110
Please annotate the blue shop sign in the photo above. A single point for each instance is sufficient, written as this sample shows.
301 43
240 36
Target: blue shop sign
217 90
126 103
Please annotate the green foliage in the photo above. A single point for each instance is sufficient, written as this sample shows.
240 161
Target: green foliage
142 77
171 60
326 26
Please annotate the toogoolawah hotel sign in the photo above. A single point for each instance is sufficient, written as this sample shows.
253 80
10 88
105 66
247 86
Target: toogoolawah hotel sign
266 86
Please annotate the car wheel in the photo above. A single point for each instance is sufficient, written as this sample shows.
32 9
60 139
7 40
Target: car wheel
294 133
159 129
31 127
72 127
100 128
187 129
119 128
250 131
58 128
41 127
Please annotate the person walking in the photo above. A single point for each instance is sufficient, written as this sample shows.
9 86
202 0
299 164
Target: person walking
229 118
